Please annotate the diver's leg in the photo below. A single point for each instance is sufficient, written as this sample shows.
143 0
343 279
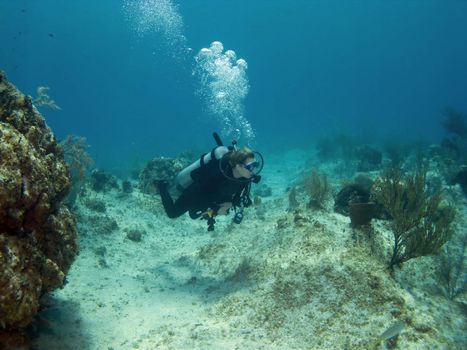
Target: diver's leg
173 210
195 214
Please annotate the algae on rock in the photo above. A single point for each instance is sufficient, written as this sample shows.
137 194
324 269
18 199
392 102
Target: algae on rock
37 232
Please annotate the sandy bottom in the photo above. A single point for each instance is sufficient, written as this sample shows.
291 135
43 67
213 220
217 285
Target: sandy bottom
280 280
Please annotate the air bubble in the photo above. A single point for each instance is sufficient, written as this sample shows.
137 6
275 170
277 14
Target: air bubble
223 88
231 55
157 17
217 47
241 63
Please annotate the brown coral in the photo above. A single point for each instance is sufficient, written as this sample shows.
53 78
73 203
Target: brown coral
160 168
420 223
37 232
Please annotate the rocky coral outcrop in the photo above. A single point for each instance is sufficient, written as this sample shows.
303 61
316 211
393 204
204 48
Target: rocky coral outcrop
160 168
37 232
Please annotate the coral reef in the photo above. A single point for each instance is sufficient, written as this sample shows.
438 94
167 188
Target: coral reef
100 181
293 202
135 235
454 122
160 168
127 187
461 178
452 153
369 158
351 193
397 153
317 187
454 148
78 161
102 224
37 232
334 147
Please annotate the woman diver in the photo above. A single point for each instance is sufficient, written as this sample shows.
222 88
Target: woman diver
218 181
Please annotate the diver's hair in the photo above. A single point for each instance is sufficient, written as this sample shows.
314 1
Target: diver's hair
238 156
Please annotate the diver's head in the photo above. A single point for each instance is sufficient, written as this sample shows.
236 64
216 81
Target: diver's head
243 163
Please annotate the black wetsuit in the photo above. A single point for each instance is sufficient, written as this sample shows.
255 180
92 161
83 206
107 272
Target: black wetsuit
210 188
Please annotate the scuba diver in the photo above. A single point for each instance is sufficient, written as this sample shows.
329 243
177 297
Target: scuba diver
211 186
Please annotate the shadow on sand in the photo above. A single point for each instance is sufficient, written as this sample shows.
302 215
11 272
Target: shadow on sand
58 326
186 276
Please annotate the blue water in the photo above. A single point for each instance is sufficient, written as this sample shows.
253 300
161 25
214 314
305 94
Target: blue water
369 68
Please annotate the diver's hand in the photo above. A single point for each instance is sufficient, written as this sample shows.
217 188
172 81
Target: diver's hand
224 208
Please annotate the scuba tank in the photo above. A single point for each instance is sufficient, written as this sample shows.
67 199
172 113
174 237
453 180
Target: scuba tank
188 175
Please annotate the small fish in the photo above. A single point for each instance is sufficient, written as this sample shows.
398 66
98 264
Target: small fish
392 331
51 35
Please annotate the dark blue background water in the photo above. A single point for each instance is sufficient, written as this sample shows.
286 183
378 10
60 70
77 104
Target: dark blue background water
372 68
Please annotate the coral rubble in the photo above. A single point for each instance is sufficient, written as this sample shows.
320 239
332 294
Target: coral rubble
37 232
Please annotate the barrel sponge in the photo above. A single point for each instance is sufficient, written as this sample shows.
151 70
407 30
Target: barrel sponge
37 232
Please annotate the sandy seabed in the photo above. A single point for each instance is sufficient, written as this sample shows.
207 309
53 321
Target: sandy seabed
301 279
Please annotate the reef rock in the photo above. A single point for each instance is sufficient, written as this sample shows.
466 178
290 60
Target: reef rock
160 168
37 232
